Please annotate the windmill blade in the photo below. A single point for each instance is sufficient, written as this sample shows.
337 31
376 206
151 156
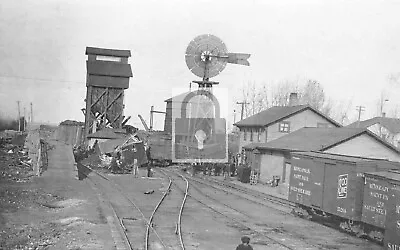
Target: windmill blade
238 58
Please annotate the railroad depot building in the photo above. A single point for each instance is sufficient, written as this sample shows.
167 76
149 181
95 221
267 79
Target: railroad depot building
385 127
279 121
274 158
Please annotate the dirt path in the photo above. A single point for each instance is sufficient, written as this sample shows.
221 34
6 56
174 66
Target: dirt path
53 211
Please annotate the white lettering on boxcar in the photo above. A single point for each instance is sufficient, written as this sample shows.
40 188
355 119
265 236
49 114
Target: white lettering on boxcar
378 187
342 186
393 246
302 170
375 209
341 210
300 190
300 177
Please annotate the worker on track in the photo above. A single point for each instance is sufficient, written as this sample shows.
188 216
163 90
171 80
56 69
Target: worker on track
135 168
149 161
245 245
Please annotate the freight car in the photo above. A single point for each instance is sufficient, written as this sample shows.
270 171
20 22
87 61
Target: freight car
160 148
332 186
381 206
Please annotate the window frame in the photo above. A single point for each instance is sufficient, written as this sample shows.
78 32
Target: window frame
284 127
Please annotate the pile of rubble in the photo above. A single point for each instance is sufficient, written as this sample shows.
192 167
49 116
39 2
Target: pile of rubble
15 163
114 155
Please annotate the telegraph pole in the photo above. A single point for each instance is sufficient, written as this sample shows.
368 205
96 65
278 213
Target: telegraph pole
24 121
359 109
19 117
243 105
31 113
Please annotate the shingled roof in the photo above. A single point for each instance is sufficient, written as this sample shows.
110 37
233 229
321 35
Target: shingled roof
316 139
276 114
391 124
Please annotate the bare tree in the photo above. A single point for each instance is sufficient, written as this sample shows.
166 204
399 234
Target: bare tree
313 94
261 97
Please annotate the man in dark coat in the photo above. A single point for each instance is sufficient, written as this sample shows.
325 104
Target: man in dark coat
149 161
245 244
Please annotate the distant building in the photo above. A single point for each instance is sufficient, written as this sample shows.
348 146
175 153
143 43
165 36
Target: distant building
199 106
276 122
384 127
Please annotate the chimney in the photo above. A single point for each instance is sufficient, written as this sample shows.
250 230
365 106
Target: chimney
293 100
383 114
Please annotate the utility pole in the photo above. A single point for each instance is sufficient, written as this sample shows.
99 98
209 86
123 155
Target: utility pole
19 117
31 113
243 105
24 121
151 117
359 109
152 111
382 103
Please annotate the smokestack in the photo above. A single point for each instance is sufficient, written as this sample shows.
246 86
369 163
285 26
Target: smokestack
293 99
383 114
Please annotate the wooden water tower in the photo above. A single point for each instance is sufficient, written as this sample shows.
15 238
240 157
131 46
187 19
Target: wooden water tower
108 74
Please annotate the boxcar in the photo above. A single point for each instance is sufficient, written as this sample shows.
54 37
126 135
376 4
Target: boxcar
330 184
383 209
161 148
376 197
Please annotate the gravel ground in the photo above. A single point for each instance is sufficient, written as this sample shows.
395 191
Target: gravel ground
52 211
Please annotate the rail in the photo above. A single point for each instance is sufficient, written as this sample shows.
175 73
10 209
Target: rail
148 225
228 217
179 224
152 216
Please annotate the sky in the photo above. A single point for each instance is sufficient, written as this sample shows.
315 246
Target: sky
350 47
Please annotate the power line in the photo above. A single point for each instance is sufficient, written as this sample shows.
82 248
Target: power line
40 79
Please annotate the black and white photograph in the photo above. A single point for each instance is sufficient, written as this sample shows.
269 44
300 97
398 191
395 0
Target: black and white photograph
199 125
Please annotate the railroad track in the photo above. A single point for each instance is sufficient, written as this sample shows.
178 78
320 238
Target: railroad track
166 218
267 197
269 201
239 218
156 231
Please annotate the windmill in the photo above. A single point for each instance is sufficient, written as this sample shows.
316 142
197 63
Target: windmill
207 56
204 138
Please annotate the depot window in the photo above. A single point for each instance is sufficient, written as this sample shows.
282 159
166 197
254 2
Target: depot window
251 134
284 127
244 134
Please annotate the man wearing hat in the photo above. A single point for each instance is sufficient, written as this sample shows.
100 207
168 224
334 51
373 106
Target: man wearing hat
245 244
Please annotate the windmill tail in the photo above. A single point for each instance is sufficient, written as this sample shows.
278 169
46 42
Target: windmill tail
238 58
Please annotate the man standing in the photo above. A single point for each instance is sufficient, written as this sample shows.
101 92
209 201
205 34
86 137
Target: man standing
135 168
149 161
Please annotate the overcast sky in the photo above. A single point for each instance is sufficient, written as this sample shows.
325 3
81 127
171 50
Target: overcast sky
350 47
